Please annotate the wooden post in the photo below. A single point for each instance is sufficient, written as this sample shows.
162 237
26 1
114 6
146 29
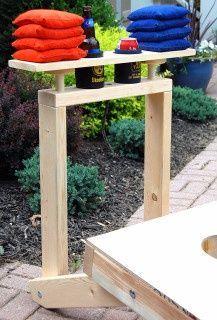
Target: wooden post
53 179
152 71
157 154
60 86
152 68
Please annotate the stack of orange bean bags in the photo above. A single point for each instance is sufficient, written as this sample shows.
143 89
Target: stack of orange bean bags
48 36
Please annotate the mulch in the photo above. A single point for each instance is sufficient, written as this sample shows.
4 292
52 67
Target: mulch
124 194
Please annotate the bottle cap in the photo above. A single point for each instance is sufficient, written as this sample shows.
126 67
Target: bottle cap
87 8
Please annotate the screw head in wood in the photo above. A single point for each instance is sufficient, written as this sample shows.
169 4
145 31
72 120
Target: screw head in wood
132 294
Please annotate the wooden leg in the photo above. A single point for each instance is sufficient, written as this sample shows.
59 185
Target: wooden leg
71 291
157 154
53 179
152 68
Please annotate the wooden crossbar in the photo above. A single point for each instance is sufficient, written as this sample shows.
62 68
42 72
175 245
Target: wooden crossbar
75 96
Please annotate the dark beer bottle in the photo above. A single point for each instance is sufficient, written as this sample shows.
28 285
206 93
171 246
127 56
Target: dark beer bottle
91 44
91 77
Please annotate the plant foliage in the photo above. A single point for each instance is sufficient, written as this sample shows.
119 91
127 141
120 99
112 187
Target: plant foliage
127 137
193 104
19 119
85 189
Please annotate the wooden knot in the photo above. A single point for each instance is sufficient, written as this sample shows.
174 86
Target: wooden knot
154 197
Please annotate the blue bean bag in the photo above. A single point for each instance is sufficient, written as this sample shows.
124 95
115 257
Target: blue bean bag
169 45
161 12
157 25
176 33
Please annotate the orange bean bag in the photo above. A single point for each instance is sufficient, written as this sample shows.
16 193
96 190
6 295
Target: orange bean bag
47 44
49 18
50 55
37 31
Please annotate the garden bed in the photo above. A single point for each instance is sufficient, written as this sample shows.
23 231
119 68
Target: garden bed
124 194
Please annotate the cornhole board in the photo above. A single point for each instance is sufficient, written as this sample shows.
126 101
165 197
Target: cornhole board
56 288
160 268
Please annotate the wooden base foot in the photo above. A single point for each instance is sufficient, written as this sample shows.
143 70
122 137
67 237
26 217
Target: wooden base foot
70 291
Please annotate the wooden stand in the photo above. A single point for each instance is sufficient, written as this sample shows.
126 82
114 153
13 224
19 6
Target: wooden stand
57 289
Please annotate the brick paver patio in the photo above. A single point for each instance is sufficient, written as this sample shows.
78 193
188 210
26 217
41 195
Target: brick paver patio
194 185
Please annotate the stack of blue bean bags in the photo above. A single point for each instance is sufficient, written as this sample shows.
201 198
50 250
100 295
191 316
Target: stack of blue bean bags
160 28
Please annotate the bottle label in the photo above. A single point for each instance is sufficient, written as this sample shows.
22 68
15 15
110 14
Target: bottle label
94 51
88 23
98 74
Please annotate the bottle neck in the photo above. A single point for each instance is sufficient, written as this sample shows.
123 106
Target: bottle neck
90 44
88 23
87 14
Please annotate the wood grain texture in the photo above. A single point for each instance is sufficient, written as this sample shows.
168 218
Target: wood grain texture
109 58
59 82
88 260
133 291
167 254
53 179
209 245
74 96
71 291
152 71
157 154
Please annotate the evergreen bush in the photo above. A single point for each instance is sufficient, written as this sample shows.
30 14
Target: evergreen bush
193 104
85 190
127 137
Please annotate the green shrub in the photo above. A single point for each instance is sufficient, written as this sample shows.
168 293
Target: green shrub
127 137
193 104
85 189
97 113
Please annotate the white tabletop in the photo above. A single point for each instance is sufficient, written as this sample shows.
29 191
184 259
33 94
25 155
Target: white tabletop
109 58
